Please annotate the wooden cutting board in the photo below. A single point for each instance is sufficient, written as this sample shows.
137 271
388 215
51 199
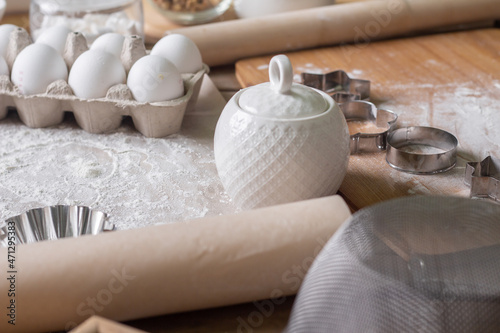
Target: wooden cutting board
450 81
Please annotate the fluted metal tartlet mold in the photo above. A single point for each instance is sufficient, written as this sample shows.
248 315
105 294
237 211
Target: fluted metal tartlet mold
54 222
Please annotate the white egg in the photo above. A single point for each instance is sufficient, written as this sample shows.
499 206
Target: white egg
94 72
180 50
55 36
4 69
5 30
37 66
154 79
111 42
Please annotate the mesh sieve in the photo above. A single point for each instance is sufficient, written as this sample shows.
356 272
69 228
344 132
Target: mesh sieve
417 264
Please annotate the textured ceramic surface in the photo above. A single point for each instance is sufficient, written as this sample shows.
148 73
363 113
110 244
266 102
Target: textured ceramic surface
265 161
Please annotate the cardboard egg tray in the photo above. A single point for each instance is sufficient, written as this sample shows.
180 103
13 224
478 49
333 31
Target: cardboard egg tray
97 115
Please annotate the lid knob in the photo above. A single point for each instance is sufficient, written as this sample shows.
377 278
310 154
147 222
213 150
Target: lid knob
281 98
281 74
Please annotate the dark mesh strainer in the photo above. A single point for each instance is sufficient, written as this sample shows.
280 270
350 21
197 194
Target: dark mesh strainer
417 264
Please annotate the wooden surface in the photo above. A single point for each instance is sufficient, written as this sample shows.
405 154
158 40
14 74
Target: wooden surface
260 317
450 81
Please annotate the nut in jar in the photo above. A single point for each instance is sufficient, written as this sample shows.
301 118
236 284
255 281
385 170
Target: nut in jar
187 5
191 11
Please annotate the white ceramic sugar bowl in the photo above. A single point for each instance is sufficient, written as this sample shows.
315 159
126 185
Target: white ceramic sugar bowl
280 142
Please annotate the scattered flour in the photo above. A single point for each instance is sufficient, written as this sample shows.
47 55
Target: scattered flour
421 149
470 113
419 189
357 72
138 181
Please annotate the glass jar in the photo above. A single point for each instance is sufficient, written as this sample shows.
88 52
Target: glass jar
189 12
3 4
90 17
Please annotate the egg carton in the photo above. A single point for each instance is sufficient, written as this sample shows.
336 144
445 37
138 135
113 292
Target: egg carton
101 115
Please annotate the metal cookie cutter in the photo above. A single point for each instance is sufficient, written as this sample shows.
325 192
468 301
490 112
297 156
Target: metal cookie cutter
484 178
338 85
366 111
421 150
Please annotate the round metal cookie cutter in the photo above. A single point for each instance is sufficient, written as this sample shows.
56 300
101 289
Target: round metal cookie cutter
405 153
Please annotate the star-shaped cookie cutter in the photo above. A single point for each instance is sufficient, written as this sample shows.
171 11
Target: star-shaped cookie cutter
366 111
338 85
484 178
352 95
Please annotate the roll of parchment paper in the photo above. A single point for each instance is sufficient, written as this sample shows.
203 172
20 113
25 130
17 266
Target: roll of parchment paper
360 22
156 270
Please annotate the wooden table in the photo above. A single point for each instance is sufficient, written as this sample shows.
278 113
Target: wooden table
428 81
406 75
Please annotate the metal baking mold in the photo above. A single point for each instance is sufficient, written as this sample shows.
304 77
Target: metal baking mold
338 85
54 222
366 111
484 178
441 157
98 115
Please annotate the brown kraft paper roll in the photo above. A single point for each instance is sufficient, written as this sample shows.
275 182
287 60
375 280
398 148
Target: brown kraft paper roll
176 267
360 22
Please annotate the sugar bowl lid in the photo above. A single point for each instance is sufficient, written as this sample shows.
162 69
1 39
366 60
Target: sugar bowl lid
281 98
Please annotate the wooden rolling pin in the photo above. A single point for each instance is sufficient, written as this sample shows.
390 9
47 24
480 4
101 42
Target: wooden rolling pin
156 270
360 22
